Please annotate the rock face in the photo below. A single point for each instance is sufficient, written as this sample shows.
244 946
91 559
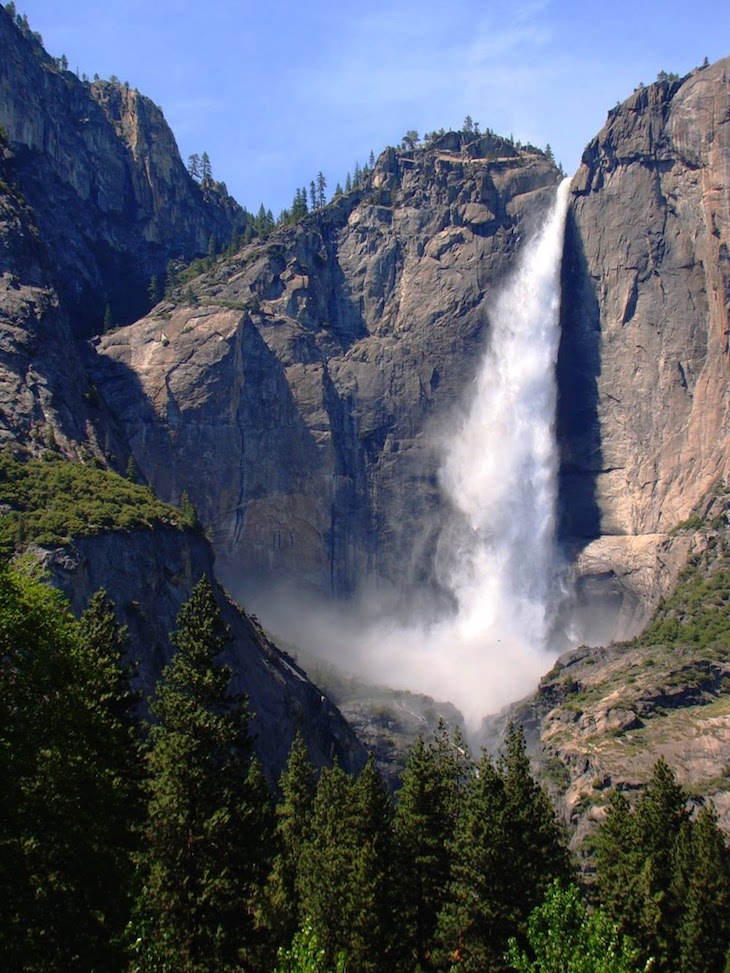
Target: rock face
149 574
644 369
100 170
298 400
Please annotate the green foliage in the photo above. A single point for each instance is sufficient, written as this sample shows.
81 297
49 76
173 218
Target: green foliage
345 871
55 501
508 846
563 936
189 513
665 879
425 821
207 817
68 764
698 611
306 955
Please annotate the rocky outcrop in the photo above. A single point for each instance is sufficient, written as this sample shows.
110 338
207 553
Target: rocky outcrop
100 170
149 574
644 366
298 398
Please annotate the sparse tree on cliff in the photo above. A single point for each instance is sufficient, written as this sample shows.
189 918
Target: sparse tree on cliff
194 165
321 186
206 170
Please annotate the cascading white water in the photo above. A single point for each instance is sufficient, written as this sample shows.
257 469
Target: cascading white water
500 467
499 472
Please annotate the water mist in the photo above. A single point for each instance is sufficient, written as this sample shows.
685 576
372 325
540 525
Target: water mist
496 551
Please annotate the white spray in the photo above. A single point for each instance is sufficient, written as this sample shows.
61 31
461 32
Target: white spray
500 467
496 552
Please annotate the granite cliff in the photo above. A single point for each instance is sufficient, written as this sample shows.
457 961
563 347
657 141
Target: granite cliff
100 170
296 396
644 369
644 379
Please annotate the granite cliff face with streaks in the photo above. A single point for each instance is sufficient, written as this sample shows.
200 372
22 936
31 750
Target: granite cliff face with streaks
644 370
298 400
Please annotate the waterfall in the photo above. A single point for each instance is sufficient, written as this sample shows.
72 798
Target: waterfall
500 467
499 473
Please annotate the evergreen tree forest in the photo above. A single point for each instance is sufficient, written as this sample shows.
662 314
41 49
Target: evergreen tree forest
161 848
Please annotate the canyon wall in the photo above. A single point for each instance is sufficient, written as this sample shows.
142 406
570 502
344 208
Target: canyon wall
644 370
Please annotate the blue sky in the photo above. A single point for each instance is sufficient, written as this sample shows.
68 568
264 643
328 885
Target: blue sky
276 91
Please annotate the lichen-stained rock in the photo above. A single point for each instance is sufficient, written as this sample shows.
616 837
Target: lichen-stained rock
644 366
298 401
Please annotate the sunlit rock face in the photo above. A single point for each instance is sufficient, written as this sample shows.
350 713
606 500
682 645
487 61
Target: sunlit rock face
644 368
300 401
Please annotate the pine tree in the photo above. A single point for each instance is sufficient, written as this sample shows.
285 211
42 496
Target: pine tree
618 865
704 931
321 186
642 870
299 206
327 870
68 759
194 166
508 847
374 931
344 878
426 813
293 816
371 159
659 818
538 844
201 857
477 916
154 291
206 170
313 195
348 183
